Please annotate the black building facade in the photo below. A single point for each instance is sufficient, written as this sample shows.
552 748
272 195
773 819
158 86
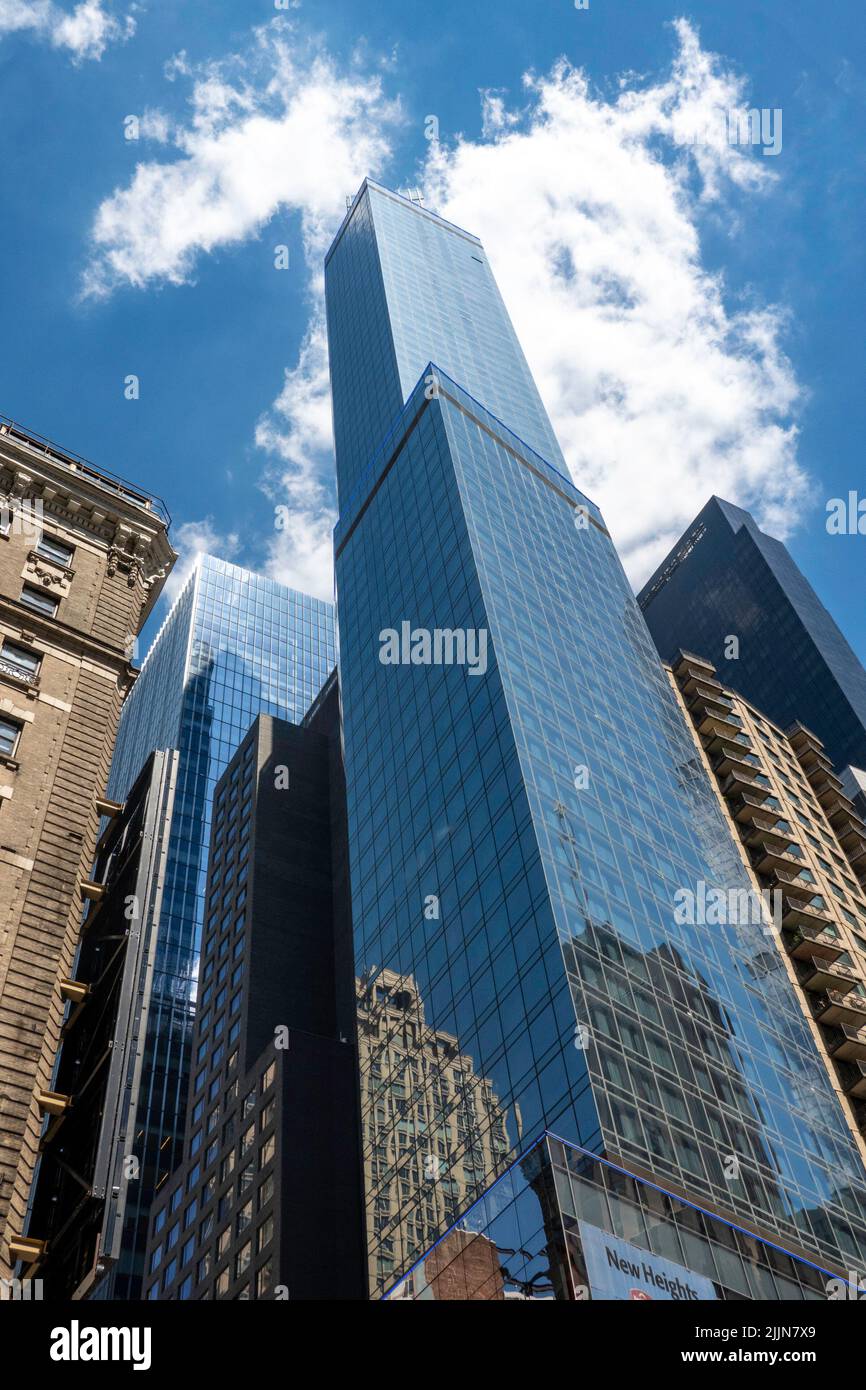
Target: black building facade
725 578
267 1203
89 1169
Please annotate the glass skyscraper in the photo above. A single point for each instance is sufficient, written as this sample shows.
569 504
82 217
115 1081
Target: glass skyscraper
524 808
726 578
235 645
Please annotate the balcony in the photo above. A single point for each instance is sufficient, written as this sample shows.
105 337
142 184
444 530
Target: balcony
814 761
814 943
851 834
716 726
855 1082
767 828
742 780
857 857
801 738
792 884
828 791
18 674
750 810
733 757
850 1045
840 1009
691 671
705 700
766 857
803 914
830 975
841 810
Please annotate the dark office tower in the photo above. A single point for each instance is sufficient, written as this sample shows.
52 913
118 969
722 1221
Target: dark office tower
726 579
234 645
87 1169
267 1201
524 805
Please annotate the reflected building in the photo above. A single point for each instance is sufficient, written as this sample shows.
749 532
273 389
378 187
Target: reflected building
234 645
433 1129
518 773
563 1223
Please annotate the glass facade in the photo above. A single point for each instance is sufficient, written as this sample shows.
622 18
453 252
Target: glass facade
521 824
561 1223
725 578
234 645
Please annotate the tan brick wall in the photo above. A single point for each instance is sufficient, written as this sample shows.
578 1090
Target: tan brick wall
48 817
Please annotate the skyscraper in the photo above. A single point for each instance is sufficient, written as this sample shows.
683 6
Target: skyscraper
726 579
234 645
268 1197
524 805
83 557
805 846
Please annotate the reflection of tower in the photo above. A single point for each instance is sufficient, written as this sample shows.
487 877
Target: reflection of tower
433 1130
233 646
457 517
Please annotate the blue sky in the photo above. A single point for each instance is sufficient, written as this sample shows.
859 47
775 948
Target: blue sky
693 314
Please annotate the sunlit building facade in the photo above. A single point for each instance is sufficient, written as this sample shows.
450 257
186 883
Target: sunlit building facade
235 645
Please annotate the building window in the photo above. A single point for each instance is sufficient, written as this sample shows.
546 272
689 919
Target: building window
247 1139
39 601
185 1289
242 1259
264 1234
21 661
266 1191
222 1284
268 1151
245 1216
264 1279
10 732
224 1241
267 1114
54 550
268 1076
203 1268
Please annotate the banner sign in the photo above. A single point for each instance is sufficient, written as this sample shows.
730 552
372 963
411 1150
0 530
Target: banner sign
617 1270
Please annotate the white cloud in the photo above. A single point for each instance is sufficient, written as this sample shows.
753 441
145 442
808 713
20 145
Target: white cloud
191 539
298 435
661 390
85 31
276 128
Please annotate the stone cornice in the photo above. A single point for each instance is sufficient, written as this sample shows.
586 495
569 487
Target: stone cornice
105 511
